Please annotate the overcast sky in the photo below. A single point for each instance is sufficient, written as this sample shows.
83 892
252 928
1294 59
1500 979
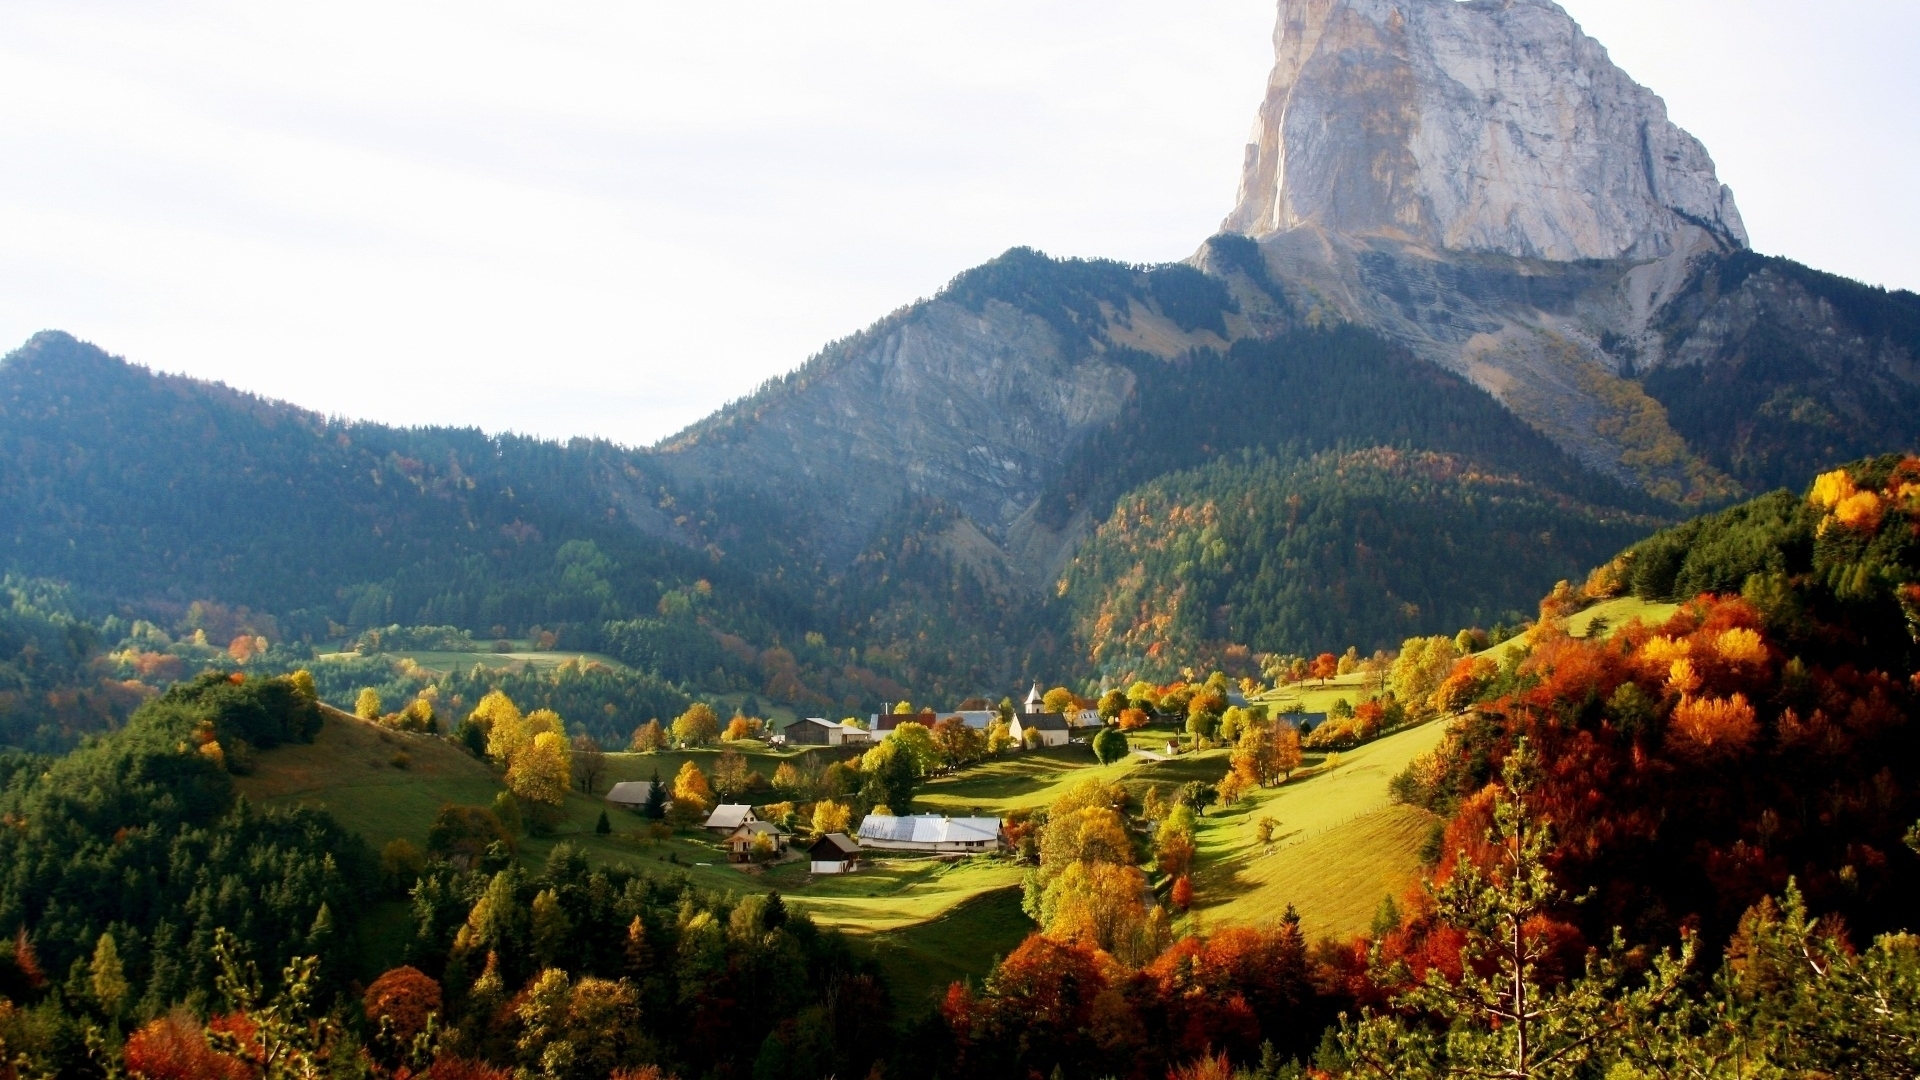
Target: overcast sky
573 218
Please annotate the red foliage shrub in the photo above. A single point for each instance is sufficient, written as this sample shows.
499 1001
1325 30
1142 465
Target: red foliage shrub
175 1048
1182 895
406 997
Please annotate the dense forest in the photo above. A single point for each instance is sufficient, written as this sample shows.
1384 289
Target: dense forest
1277 553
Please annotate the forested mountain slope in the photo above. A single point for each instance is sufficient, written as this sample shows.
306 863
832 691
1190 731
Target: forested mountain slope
1265 553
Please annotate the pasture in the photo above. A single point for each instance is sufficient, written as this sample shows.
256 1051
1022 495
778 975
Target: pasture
1342 843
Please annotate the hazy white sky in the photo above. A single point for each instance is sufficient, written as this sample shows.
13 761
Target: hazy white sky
608 218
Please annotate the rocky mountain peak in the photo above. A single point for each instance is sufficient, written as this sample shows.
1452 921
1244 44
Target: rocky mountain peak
1483 125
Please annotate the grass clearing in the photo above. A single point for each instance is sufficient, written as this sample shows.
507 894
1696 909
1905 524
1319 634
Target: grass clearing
1618 612
1312 697
1341 845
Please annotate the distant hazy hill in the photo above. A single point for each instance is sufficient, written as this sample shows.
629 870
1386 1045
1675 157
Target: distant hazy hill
154 490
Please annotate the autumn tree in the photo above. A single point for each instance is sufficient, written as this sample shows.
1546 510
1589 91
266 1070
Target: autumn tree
1060 701
788 781
648 738
175 1047
999 737
831 817
1173 847
1112 704
730 773
1423 664
956 742
691 790
589 762
368 705
698 726
1087 888
495 710
741 727
107 977
913 740
1325 666
542 770
399 1005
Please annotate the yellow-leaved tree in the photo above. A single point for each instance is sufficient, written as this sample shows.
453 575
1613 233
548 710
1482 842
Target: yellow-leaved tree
831 817
691 790
541 769
500 719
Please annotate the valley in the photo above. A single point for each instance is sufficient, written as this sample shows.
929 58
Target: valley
1474 575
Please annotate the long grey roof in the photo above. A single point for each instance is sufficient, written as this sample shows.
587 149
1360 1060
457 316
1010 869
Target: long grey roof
929 829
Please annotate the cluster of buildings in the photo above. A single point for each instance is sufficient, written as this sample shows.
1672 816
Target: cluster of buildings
1052 729
837 853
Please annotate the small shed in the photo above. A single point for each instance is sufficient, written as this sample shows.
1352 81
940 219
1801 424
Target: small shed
740 841
729 816
835 853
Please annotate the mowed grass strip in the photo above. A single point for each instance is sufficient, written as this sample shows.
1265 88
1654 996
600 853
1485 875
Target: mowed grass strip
1341 843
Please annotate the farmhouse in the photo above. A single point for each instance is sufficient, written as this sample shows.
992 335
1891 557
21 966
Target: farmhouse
930 832
740 841
729 816
818 731
835 853
1053 730
633 795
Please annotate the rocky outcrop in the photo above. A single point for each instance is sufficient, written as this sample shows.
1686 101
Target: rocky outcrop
1478 181
1485 126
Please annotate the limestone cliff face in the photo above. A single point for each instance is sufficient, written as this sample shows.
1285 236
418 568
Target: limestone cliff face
1483 126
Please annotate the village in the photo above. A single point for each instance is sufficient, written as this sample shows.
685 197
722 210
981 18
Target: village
747 839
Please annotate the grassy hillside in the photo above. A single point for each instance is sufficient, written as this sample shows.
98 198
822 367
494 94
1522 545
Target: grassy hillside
1341 846
922 961
349 771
